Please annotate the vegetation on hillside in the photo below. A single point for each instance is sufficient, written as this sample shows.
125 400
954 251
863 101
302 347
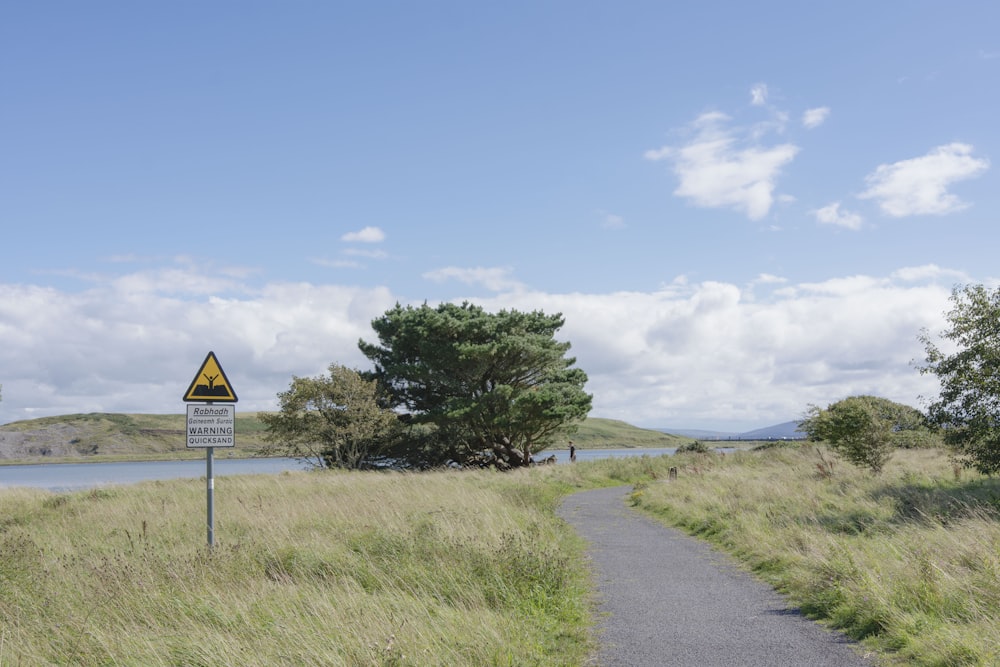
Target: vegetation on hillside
114 436
598 433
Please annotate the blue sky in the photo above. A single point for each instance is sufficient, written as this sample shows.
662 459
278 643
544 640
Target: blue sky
740 208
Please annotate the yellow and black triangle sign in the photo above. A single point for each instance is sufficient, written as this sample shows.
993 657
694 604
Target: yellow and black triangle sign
210 383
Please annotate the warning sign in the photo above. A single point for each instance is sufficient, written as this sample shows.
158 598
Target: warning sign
211 425
211 383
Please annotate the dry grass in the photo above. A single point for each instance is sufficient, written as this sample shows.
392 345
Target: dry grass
473 568
309 569
908 561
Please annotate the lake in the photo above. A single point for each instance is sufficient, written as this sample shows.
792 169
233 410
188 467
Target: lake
75 476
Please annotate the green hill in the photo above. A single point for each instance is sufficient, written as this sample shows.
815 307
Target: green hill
114 436
110 436
597 433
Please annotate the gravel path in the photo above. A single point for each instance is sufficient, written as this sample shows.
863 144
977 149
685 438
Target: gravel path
668 599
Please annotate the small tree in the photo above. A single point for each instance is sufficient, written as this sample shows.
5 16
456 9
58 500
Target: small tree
334 421
968 409
865 429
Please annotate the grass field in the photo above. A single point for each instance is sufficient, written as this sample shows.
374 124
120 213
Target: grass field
908 561
310 569
473 568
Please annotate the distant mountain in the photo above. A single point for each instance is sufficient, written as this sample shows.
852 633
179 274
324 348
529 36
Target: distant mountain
783 431
786 431
700 434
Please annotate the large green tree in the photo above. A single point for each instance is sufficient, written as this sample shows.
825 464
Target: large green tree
968 408
334 420
866 430
477 388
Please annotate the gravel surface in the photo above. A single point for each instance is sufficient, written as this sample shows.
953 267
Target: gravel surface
668 599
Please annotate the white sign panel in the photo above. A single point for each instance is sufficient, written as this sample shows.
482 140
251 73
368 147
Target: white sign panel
211 425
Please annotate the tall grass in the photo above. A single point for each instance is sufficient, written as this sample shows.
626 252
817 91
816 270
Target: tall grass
309 569
908 562
473 568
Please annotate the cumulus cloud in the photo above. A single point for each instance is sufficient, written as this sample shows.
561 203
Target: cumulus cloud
120 346
495 279
689 354
758 95
704 353
724 167
365 235
815 117
919 186
832 215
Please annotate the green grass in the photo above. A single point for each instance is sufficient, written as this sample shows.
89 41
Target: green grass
908 562
474 568
310 569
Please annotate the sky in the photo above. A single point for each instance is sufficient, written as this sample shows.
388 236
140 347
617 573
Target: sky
740 209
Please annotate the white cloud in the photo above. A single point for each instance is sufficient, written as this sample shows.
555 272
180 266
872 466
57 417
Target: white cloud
931 272
832 215
124 346
919 186
815 117
366 235
612 221
769 279
720 168
689 354
758 95
496 279
705 353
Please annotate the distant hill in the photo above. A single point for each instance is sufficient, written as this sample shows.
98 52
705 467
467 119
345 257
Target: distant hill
101 435
701 434
597 433
783 431
786 431
113 435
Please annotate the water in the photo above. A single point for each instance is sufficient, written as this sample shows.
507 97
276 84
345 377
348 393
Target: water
75 476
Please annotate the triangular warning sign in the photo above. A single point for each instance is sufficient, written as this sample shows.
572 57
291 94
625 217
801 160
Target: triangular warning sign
210 383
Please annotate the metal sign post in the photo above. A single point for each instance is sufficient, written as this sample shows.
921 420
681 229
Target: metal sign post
210 425
210 492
